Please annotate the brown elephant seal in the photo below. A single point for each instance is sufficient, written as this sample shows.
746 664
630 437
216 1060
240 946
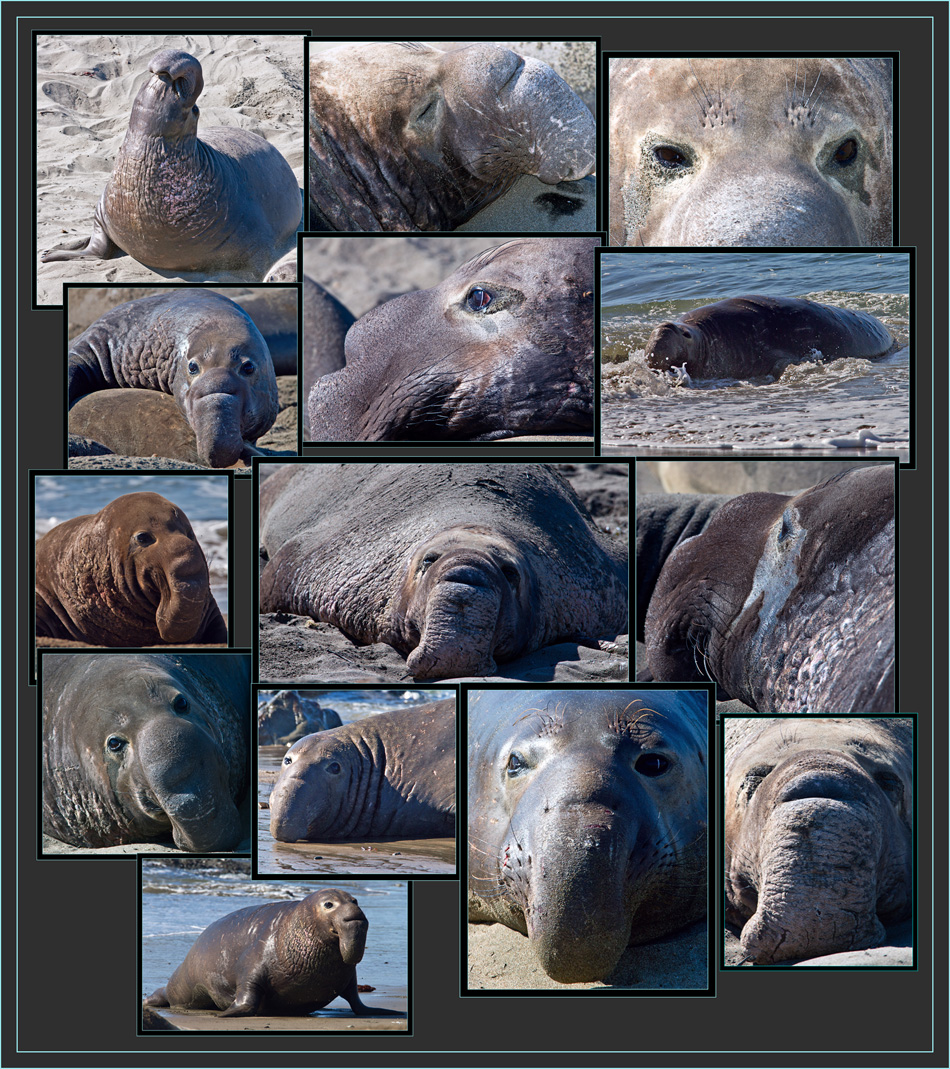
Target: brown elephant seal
503 347
132 574
196 345
587 820
786 602
743 337
391 775
141 748
283 959
750 151
406 137
456 566
819 826
228 202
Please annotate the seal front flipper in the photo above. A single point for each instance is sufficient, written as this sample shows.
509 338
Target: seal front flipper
248 1000
157 998
360 1009
98 246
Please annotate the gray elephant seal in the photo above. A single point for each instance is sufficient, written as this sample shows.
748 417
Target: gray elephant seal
228 202
750 151
503 347
198 346
408 137
391 775
818 833
145 748
456 566
747 336
587 820
279 959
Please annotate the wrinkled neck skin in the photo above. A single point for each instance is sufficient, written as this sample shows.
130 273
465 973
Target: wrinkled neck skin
120 350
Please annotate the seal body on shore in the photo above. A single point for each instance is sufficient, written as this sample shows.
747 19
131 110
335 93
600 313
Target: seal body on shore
132 574
503 347
145 748
456 566
818 833
587 820
226 202
389 775
750 151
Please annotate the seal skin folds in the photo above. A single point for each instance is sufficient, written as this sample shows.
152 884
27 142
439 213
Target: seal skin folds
587 820
146 748
457 566
404 136
818 833
750 151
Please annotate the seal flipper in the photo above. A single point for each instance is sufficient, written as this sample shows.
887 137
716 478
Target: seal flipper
248 1000
98 246
352 996
157 998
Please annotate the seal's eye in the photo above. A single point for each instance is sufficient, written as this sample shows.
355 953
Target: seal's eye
478 299
180 704
193 367
846 153
652 764
510 572
288 761
516 763
144 538
248 367
429 558
329 905
667 156
115 744
334 768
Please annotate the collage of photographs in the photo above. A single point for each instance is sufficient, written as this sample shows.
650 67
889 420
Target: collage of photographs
372 396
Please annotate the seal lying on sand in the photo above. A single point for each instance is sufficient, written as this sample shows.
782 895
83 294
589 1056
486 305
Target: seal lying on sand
750 151
818 833
503 347
455 565
226 203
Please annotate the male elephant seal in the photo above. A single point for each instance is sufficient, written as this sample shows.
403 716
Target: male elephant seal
587 820
283 959
131 574
818 833
787 602
747 336
408 137
750 151
198 346
229 202
391 775
503 347
145 748
456 565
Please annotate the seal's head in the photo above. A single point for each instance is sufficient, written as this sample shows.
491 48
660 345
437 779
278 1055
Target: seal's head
672 345
337 913
165 105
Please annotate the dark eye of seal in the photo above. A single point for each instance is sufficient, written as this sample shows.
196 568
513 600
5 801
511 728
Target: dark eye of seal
667 156
652 764
248 368
516 763
144 538
115 744
478 299
288 761
193 367
429 558
180 704
846 153
334 768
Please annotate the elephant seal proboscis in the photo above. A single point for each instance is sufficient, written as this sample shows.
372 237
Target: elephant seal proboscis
391 775
407 137
131 574
818 833
228 202
587 820
743 337
283 959
503 347
750 151
141 748
786 602
198 346
456 566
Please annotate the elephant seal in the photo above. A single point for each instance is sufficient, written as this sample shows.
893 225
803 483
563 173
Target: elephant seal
131 574
786 602
283 959
503 347
454 565
290 715
747 336
818 833
196 345
325 324
407 137
750 151
146 748
587 820
391 775
229 202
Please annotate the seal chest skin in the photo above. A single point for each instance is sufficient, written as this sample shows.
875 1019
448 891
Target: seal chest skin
748 336
226 202
391 775
503 347
145 748
818 833
132 574
408 137
587 820
455 566
750 151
